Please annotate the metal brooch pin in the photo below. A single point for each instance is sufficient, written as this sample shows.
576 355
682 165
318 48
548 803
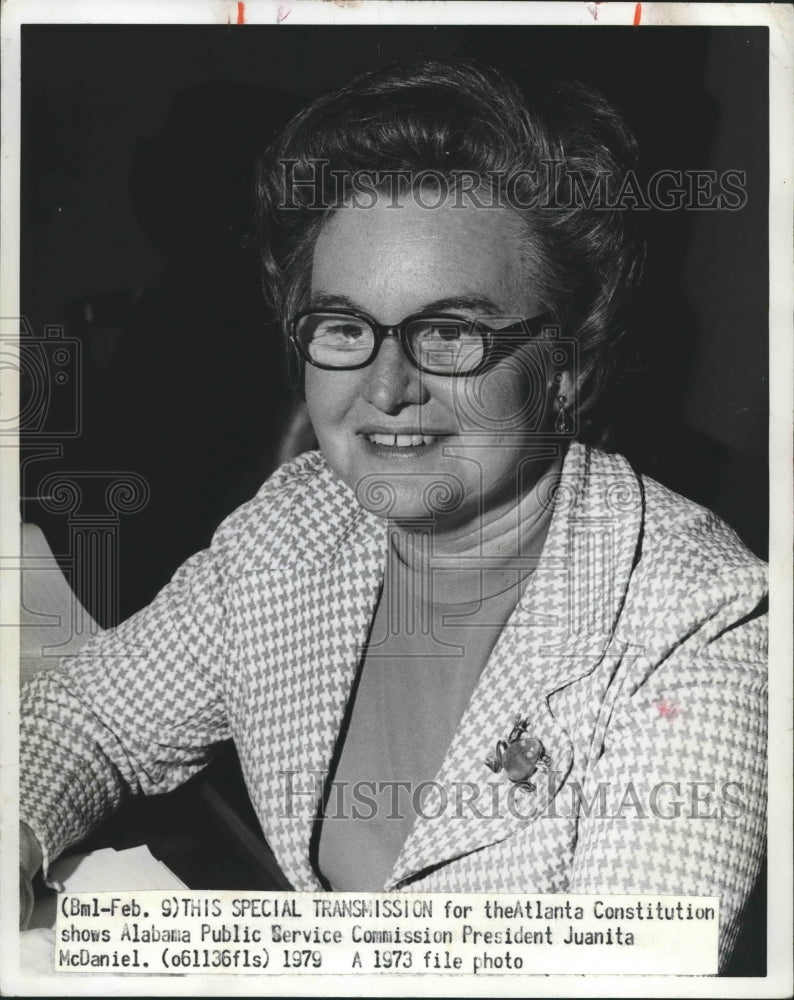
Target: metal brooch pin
519 756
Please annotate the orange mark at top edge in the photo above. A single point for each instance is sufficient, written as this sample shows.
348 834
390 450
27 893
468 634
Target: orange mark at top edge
637 14
241 13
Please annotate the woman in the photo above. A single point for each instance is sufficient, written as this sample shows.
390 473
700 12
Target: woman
460 647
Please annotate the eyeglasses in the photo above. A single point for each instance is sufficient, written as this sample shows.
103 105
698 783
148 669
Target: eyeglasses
439 344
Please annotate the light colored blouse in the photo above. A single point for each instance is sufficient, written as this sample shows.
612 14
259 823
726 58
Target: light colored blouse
422 663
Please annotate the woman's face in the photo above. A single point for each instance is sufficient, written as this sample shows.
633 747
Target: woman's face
464 462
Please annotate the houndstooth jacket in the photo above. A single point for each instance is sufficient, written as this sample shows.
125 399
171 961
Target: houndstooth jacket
637 653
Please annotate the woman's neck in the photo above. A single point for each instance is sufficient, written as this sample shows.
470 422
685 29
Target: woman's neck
482 558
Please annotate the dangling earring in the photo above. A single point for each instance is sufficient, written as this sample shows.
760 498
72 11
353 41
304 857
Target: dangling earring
562 424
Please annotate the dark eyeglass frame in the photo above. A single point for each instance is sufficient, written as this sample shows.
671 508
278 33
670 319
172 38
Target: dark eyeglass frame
496 343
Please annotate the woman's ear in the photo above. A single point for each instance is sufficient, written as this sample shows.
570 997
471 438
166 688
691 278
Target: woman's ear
563 396
562 384
567 386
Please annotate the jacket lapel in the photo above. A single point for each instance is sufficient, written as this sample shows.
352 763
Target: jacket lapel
329 600
558 633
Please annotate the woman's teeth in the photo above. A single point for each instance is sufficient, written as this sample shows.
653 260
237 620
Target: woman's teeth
400 440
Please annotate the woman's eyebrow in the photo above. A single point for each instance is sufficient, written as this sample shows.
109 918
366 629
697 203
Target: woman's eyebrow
330 301
479 303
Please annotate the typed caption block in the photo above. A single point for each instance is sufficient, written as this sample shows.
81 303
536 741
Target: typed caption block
281 933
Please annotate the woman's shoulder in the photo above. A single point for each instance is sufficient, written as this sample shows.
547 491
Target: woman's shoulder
693 578
302 511
677 528
671 526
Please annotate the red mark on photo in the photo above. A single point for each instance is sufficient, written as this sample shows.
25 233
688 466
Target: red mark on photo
637 14
283 14
667 709
241 13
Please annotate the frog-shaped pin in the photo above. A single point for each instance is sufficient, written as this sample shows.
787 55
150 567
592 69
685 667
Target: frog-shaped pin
520 757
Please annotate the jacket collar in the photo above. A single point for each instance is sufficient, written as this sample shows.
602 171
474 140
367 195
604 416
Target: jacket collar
557 634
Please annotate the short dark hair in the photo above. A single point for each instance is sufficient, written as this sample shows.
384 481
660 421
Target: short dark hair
453 117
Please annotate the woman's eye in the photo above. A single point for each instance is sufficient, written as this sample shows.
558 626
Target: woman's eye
340 332
446 331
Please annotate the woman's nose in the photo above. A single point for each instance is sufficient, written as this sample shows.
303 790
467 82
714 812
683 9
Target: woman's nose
393 382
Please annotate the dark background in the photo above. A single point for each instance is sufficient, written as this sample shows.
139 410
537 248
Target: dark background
137 149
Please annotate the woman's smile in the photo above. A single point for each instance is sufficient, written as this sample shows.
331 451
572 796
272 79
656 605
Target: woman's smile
402 443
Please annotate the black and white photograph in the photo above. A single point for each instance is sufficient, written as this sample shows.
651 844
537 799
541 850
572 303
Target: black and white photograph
386 504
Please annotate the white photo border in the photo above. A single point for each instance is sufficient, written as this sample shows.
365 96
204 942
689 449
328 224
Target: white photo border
779 18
